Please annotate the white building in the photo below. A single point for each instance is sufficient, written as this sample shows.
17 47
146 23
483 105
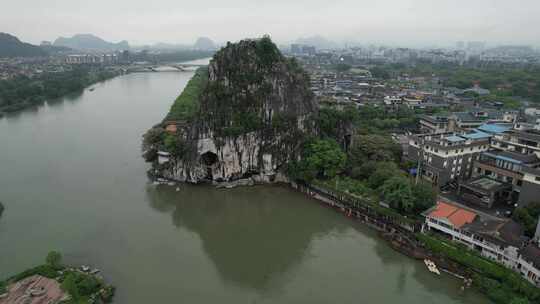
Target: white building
496 239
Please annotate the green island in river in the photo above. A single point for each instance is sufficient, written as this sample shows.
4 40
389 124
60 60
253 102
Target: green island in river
54 282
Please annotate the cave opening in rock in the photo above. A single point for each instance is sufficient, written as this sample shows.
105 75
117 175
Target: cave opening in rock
209 159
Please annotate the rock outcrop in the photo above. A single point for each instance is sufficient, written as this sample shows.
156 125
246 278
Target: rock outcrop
252 112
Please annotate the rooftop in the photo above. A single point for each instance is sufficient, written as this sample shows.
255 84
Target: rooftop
476 135
41 289
494 128
531 254
513 157
485 183
457 216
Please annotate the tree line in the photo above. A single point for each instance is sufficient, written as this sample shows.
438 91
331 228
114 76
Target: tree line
22 91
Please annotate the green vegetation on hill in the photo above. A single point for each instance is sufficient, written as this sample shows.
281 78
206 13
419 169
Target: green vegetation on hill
11 46
371 166
187 104
21 92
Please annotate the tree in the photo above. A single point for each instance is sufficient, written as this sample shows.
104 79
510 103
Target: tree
364 170
373 147
321 158
383 172
397 191
69 285
54 259
424 197
3 287
519 301
528 217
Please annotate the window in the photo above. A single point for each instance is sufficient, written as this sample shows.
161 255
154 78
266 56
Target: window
537 178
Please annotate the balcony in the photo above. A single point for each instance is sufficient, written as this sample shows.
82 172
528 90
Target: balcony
491 165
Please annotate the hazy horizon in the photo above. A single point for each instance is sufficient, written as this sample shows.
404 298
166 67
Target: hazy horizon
403 22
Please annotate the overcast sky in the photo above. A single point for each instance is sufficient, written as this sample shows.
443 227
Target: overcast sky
404 22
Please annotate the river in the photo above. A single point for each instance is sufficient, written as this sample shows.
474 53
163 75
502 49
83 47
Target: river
72 179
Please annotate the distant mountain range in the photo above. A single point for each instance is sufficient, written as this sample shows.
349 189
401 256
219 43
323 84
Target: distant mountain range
89 42
205 44
11 46
201 44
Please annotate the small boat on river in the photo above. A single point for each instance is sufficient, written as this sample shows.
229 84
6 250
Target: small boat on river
432 267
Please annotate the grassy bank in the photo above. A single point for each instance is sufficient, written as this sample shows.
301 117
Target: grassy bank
499 283
187 104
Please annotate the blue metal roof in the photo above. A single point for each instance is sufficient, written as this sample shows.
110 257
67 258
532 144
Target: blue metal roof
477 135
454 138
508 159
493 128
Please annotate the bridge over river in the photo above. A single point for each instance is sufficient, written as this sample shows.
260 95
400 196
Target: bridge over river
168 67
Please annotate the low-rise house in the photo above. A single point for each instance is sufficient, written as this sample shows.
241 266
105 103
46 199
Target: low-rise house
484 191
163 157
509 167
529 263
433 124
530 189
494 238
521 141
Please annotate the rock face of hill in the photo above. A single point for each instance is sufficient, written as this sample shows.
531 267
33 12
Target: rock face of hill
11 46
245 117
90 42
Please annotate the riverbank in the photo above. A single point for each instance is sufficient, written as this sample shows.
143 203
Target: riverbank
498 283
54 282
22 92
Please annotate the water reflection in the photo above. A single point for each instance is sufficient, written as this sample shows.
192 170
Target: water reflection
251 236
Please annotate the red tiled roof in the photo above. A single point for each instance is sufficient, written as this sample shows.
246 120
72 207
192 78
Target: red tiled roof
457 216
462 217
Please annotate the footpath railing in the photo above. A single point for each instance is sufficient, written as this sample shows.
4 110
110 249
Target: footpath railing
379 217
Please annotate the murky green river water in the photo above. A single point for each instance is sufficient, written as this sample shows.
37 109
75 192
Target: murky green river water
72 179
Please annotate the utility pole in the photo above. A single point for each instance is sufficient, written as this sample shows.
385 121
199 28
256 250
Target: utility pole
420 159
